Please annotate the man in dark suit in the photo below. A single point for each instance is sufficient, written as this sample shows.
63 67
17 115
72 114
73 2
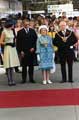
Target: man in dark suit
26 46
65 40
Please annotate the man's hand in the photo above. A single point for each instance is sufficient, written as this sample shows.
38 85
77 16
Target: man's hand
22 54
32 50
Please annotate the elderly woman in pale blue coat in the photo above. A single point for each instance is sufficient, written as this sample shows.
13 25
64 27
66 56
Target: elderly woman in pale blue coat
45 53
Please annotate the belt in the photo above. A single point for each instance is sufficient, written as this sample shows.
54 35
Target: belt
10 44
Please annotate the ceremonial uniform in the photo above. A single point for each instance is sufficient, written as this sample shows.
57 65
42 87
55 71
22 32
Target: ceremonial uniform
65 41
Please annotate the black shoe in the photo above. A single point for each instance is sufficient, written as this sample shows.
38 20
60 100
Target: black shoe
22 82
70 81
62 81
11 84
17 71
32 81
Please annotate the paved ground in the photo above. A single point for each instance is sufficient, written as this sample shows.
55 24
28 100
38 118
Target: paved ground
56 78
41 113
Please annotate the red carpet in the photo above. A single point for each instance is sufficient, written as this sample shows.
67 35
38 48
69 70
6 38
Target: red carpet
37 98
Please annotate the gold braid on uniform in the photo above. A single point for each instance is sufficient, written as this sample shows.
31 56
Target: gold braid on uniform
64 39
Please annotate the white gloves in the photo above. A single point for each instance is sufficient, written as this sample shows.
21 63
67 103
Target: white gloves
71 47
38 57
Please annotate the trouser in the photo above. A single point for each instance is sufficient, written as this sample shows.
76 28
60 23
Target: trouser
30 72
70 69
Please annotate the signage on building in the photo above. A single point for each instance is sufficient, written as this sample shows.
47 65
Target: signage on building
60 8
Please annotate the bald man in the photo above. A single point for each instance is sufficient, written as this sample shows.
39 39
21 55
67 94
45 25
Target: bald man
65 40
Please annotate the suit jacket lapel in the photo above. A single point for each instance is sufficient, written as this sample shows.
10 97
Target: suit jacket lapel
61 33
67 32
25 31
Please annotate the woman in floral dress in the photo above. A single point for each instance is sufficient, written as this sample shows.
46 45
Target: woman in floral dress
45 53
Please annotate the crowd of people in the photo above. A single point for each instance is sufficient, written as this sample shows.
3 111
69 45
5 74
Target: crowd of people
40 41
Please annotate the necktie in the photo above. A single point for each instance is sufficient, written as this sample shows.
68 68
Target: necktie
26 30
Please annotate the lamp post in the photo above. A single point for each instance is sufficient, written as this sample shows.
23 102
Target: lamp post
9 4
